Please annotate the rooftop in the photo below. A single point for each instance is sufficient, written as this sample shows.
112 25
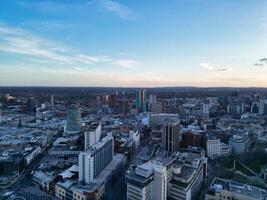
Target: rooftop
219 184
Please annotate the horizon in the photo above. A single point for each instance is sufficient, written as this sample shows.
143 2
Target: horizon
133 44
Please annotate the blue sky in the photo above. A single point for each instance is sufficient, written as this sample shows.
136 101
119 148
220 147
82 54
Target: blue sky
131 43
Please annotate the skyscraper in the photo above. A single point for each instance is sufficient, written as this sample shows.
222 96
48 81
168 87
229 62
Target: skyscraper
263 107
52 101
140 100
73 120
205 108
170 136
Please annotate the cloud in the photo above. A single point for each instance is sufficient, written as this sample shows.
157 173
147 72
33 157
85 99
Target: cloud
258 64
80 8
127 63
215 69
19 41
261 62
117 8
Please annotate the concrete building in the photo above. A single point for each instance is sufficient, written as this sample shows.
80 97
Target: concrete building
92 162
158 119
156 107
170 136
92 134
45 180
152 98
159 183
139 184
70 190
239 143
189 172
231 190
215 148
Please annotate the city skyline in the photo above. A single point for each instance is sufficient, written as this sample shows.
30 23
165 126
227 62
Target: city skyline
133 43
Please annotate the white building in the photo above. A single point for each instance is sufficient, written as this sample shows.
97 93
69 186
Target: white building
92 134
92 162
213 148
159 183
139 184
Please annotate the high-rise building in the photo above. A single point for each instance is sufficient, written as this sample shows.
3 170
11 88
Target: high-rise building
92 134
254 108
170 136
123 106
206 108
93 161
140 100
263 107
73 120
52 101
112 101
30 105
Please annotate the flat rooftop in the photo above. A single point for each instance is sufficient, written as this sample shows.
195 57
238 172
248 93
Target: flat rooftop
219 184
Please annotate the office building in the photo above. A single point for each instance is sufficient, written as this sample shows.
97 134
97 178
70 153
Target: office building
255 108
140 100
73 120
159 183
263 107
92 134
239 143
139 183
189 172
170 136
231 190
152 98
52 101
156 107
215 148
158 119
93 161
206 108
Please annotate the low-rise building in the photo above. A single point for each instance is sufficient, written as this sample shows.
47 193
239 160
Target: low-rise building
231 190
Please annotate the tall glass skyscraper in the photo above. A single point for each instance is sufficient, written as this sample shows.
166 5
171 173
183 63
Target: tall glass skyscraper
140 101
73 120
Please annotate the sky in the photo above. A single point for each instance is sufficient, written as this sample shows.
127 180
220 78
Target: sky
133 43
